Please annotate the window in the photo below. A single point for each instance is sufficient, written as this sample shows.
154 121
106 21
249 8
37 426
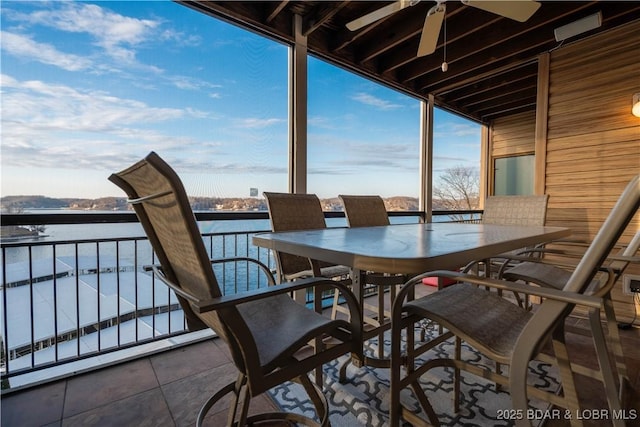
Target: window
363 138
456 162
88 88
514 176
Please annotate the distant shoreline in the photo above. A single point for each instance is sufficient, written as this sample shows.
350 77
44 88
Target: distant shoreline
17 204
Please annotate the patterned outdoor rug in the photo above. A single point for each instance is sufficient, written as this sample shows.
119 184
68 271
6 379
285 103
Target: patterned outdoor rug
364 399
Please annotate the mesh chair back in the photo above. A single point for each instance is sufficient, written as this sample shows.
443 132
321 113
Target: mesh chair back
515 210
292 212
161 204
364 211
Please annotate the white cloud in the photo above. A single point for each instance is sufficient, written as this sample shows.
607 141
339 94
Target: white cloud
255 123
181 39
464 129
376 102
352 157
23 46
51 125
450 129
68 108
322 122
192 83
111 30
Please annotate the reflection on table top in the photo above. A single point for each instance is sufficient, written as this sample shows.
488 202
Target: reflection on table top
408 248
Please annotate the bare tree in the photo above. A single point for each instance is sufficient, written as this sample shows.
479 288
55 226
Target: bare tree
457 188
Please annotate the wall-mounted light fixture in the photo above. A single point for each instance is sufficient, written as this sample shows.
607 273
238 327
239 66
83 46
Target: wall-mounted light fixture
635 106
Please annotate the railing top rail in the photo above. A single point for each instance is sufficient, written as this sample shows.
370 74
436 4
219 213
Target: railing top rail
113 217
127 217
95 240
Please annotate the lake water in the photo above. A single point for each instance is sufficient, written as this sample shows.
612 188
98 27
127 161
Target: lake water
115 260
128 251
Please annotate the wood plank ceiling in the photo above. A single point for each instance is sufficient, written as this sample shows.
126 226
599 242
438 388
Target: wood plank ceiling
492 60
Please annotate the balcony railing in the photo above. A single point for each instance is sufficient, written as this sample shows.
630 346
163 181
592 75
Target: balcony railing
75 295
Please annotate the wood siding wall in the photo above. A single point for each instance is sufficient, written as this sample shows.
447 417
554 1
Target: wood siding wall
513 135
593 140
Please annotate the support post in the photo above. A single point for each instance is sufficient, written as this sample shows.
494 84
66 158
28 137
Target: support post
298 110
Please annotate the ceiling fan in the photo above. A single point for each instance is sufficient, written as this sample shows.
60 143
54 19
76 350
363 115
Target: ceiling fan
519 10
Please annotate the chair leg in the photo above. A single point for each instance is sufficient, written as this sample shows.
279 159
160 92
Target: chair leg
239 390
334 307
611 381
394 374
381 317
614 338
456 376
566 374
342 376
318 373
426 406
317 398
243 399
624 384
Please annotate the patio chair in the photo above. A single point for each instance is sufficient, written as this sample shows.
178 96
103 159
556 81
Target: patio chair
264 328
292 212
555 272
510 210
508 333
364 211
370 211
515 210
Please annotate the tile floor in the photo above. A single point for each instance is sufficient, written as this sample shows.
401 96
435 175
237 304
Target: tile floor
167 389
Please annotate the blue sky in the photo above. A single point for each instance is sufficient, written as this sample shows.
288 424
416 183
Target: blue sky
90 87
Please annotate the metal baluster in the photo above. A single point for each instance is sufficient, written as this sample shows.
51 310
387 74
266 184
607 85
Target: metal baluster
5 344
55 304
31 306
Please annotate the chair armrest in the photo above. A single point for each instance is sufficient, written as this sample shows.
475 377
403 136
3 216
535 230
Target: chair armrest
156 269
568 262
203 306
550 251
231 300
265 269
568 249
558 295
631 259
568 241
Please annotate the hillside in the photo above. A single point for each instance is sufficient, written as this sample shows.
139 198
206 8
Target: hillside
17 204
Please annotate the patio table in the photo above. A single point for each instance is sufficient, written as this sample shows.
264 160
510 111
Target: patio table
407 248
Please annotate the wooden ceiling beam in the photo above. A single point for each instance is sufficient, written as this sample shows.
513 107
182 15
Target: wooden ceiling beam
488 115
492 70
343 38
505 37
320 15
503 97
391 38
276 10
479 90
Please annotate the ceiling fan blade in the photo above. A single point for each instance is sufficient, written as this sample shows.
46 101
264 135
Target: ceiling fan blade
372 17
431 30
519 10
